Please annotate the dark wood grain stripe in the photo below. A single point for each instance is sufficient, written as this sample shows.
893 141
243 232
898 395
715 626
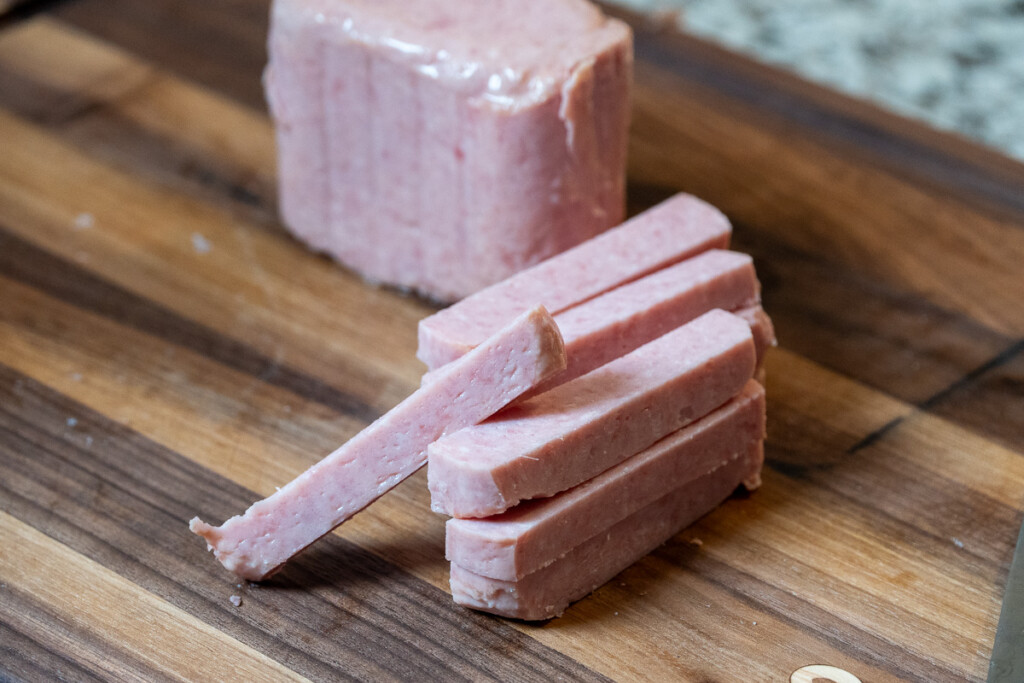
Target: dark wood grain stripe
91 124
23 658
910 502
25 9
68 282
804 616
240 47
55 645
338 611
939 402
890 340
992 404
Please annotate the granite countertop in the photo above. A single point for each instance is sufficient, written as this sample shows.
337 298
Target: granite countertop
956 64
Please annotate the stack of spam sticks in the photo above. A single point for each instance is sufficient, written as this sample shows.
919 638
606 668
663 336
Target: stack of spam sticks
656 420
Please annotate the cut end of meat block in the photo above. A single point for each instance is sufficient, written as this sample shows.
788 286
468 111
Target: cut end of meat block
499 597
460 490
761 327
228 552
756 458
208 532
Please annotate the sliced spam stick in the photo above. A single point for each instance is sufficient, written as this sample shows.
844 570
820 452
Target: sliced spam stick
761 327
619 321
672 231
547 592
535 533
517 358
577 430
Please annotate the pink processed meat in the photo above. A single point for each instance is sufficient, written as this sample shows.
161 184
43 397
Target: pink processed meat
672 231
619 321
271 531
546 592
536 533
760 326
577 430
444 146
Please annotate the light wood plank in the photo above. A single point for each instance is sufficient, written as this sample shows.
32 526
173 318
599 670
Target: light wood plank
249 284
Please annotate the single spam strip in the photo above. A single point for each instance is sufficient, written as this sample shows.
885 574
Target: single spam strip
577 430
546 592
676 229
761 327
619 321
536 533
271 531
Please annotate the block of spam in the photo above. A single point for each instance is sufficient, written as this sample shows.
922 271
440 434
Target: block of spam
678 228
517 358
627 317
442 146
575 431
536 533
546 592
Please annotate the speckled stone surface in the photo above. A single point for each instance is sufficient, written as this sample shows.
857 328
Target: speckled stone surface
957 64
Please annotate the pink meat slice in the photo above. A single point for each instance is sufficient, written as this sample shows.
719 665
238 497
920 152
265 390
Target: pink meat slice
535 533
672 231
619 321
256 543
577 430
546 592
760 326
444 146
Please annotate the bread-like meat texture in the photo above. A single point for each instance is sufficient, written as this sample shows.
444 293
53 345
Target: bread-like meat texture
255 544
546 592
619 321
678 228
577 430
536 533
444 146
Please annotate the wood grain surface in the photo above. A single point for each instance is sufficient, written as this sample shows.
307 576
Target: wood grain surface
167 350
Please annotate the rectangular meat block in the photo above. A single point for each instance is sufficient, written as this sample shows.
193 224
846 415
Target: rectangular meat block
443 146
517 358
673 231
577 430
619 321
547 592
535 533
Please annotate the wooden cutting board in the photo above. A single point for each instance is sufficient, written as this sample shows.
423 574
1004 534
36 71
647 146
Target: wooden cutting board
167 350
